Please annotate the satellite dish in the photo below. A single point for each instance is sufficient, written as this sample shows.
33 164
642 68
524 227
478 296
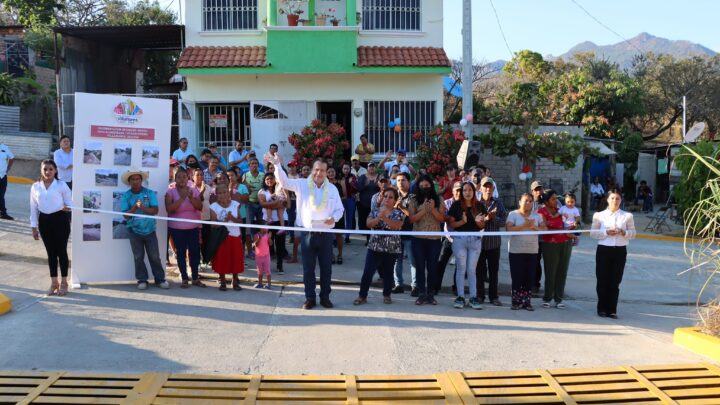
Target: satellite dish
694 132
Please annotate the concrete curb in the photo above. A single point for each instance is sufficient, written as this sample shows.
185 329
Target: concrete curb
5 304
697 342
665 238
19 180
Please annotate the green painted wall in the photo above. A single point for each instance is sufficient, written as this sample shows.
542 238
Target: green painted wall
311 51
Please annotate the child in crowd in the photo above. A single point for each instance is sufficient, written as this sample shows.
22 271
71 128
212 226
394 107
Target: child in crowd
229 258
571 216
261 244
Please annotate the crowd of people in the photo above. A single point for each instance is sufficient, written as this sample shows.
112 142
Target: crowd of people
391 195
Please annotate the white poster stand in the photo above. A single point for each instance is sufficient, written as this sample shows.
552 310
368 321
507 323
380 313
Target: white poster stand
113 134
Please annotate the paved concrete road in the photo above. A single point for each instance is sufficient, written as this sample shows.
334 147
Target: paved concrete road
114 327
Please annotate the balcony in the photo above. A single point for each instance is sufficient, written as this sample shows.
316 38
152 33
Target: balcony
337 13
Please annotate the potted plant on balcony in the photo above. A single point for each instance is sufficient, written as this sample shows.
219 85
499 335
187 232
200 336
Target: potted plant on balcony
293 9
335 21
321 18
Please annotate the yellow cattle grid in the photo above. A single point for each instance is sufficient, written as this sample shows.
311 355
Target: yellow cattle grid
694 384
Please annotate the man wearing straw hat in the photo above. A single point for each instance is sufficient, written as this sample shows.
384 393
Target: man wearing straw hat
141 200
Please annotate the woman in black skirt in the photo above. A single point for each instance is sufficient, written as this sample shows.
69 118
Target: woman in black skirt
50 201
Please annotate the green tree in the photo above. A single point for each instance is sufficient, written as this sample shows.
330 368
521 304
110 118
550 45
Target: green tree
33 13
665 80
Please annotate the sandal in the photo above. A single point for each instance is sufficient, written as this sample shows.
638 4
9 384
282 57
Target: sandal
360 301
420 301
63 290
339 260
431 301
198 283
53 290
223 287
185 284
237 287
387 300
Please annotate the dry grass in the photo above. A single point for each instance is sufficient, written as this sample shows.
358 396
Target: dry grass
710 318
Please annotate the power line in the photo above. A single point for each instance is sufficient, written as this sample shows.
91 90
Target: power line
605 26
502 32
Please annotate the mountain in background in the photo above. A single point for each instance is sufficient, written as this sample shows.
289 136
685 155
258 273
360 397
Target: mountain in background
623 52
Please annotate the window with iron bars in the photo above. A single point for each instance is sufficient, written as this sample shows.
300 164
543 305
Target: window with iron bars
229 15
415 116
391 15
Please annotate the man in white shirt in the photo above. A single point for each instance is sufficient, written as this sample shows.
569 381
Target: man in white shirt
400 160
64 160
318 207
6 162
183 151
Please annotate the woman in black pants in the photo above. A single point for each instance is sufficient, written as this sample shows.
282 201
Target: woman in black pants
613 228
50 201
271 198
367 186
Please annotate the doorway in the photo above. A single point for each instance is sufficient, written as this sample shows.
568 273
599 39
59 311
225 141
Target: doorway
341 114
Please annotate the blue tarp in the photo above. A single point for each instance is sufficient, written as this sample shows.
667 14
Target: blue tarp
448 84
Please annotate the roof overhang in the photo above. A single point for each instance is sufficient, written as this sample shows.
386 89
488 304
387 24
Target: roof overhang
150 37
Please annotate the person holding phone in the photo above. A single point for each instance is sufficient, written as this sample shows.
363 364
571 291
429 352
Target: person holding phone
401 161
523 251
613 228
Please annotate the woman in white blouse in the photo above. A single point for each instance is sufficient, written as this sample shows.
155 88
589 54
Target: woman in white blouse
50 201
613 228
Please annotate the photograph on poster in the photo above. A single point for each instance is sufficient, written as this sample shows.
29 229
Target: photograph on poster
122 154
120 231
92 200
117 199
150 156
106 177
91 230
92 154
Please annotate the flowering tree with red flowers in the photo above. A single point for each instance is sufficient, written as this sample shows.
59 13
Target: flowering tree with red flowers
319 140
439 148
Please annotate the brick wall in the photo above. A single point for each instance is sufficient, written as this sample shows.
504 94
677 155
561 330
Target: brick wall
26 146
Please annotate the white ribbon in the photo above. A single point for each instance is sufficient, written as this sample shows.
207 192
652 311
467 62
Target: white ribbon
341 231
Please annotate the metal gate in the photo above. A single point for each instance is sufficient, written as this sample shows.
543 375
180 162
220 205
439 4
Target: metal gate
67 113
222 125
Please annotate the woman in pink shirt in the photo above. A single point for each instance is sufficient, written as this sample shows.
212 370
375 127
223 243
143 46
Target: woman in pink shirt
183 202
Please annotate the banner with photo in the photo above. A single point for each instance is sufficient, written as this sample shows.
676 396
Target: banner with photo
112 135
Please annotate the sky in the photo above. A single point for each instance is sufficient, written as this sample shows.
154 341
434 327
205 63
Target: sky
554 26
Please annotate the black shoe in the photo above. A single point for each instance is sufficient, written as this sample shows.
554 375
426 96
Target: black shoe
612 316
309 304
415 292
281 271
6 216
602 314
398 290
347 241
325 302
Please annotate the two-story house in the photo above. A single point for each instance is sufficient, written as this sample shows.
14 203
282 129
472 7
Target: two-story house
252 77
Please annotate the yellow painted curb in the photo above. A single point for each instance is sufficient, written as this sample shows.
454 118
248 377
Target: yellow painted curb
19 180
698 342
665 238
5 304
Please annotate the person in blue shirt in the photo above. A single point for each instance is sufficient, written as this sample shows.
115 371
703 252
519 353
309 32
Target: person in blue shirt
141 200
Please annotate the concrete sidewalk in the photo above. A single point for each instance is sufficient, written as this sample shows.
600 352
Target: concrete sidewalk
115 327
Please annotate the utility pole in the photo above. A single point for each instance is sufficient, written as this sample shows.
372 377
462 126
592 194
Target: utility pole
467 72
684 118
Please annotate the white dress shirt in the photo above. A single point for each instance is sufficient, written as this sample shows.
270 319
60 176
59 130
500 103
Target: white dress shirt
5 157
621 220
597 189
309 216
64 160
48 201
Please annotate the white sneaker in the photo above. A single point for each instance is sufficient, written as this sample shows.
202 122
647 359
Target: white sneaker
452 260
142 285
164 285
